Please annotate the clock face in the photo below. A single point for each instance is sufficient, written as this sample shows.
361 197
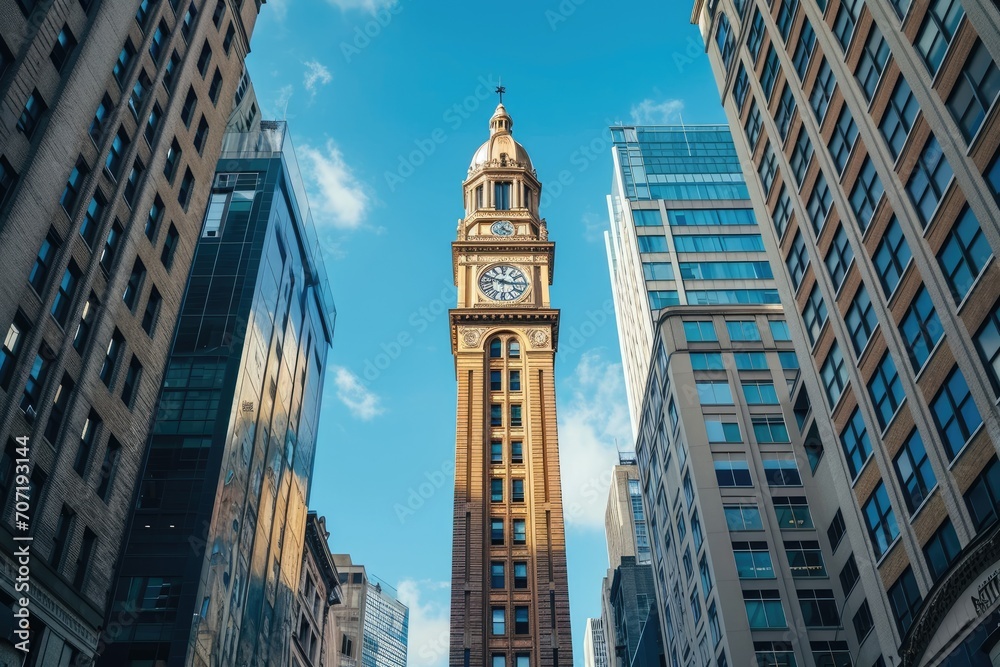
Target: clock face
503 282
503 228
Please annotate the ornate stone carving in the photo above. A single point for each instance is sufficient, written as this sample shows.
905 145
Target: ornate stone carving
471 336
538 338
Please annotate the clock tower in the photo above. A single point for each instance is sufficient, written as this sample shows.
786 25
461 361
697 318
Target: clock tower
509 591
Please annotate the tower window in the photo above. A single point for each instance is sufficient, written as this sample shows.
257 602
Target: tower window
496 349
496 382
479 197
516 451
515 380
515 415
496 490
501 196
496 415
515 350
496 452
496 534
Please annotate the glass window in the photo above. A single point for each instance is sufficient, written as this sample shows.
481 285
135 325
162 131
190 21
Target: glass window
43 262
496 452
781 470
743 330
964 254
845 22
804 49
822 91
805 559
732 470
652 243
521 620
715 393
753 560
920 328
515 415
657 271
753 125
863 622
819 610
706 361
797 260
854 440
663 299
720 431
496 532
886 390
759 393
849 575
792 513
750 361
974 91
719 243
819 204
866 194
905 598
496 490
740 86
834 374
983 497
873 59
929 179
647 217
839 257
955 413
764 609
861 320
814 314
520 533
770 429
756 35
937 30
916 477
836 531
899 117
881 521
725 40
845 134
499 621
786 110
517 490
786 15
496 348
743 517
988 344
891 256
770 72
696 331
514 380
779 330
520 575
802 153
942 549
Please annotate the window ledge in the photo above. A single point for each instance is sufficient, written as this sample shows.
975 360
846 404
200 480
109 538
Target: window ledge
923 503
965 445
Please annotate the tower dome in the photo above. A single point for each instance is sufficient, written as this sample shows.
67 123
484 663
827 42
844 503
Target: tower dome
500 149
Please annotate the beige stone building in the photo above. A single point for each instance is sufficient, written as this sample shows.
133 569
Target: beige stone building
869 136
320 591
510 598
114 115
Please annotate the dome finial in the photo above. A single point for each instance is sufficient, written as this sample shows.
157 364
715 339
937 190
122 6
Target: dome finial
500 89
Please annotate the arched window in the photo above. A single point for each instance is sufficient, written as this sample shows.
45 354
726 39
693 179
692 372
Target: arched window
496 348
515 349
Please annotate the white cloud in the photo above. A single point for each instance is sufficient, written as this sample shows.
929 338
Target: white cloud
590 421
279 8
649 112
363 403
368 5
316 75
429 603
335 196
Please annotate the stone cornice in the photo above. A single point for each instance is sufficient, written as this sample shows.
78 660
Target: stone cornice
499 318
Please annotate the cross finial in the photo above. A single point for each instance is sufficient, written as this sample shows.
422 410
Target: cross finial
500 90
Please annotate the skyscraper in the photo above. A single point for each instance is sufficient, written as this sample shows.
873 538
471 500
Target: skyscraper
509 593
869 133
719 441
625 526
595 644
671 181
386 627
116 112
210 569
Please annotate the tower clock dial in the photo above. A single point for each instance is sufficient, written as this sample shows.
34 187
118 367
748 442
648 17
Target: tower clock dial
503 282
502 228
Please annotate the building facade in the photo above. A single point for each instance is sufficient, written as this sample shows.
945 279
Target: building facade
595 644
319 592
115 117
624 519
350 615
670 181
386 627
870 139
509 592
218 530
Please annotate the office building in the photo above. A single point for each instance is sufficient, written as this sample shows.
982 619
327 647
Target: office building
870 135
115 116
211 565
671 185
624 521
509 590
351 614
319 592
632 595
386 627
595 644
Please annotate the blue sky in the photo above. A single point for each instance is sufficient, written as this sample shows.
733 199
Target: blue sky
386 103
